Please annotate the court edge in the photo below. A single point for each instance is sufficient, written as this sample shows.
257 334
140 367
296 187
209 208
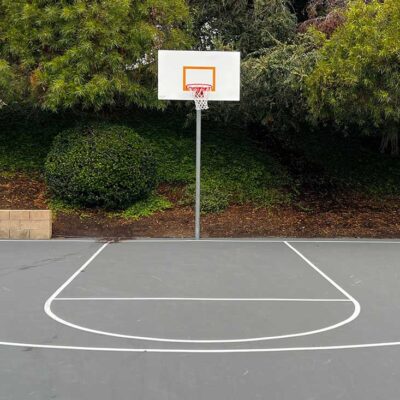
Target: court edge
250 240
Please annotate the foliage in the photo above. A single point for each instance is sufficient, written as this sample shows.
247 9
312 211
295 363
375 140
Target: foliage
245 25
274 84
214 196
86 53
299 7
350 164
324 15
58 206
108 166
6 80
322 8
357 78
26 137
146 207
233 168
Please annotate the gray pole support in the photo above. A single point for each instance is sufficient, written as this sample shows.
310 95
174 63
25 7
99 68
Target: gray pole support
198 173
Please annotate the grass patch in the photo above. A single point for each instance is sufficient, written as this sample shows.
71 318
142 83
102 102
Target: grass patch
7 174
58 206
146 207
142 208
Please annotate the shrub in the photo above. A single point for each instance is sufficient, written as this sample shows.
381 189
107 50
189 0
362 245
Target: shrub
107 166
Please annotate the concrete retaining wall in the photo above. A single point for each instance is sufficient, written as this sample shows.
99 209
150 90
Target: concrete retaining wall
25 224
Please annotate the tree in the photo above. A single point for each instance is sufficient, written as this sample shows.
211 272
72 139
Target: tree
274 84
324 15
6 79
245 25
89 53
357 77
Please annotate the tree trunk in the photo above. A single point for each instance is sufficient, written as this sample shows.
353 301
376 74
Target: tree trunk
391 137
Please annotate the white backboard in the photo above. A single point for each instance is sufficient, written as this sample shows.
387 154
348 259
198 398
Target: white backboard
177 69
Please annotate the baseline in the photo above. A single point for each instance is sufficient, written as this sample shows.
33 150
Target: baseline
201 351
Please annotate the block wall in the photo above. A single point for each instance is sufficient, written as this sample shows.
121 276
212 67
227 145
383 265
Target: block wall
25 224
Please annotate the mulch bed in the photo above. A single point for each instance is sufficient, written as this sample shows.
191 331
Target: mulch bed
347 215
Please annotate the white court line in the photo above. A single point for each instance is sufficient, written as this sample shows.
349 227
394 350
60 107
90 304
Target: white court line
68 281
202 351
53 240
192 299
292 240
51 314
355 241
357 307
331 281
167 240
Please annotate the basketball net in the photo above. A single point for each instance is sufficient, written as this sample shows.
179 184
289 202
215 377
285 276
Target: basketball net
200 92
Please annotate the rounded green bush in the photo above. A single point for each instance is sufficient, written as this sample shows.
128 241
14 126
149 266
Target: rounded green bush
108 166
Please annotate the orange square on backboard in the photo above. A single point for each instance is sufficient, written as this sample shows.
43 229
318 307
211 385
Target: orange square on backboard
188 69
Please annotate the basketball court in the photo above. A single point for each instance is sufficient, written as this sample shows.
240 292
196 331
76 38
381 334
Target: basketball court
208 319
199 319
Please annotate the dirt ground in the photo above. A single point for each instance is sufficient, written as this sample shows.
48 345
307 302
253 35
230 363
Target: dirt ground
347 215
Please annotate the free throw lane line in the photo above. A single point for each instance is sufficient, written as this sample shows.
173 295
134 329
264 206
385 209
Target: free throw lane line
331 281
47 305
192 299
52 315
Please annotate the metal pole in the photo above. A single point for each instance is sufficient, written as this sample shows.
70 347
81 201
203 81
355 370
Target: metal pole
198 173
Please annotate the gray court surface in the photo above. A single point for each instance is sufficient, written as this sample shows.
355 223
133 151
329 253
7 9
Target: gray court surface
200 320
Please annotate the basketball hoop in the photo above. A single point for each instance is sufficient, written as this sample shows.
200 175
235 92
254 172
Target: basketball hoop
201 76
200 92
